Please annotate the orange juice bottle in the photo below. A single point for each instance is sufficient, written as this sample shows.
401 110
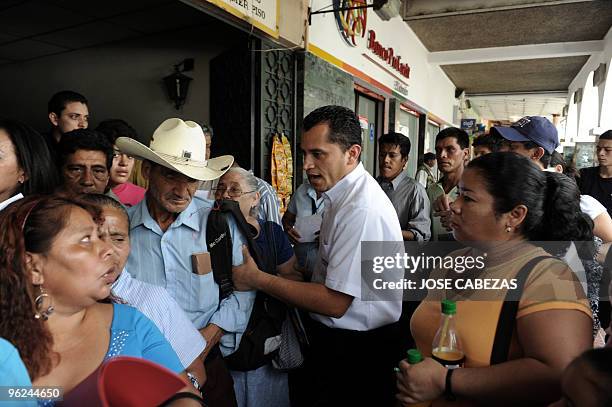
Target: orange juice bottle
446 347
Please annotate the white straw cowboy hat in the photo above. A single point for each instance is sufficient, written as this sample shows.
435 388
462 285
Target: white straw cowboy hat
181 146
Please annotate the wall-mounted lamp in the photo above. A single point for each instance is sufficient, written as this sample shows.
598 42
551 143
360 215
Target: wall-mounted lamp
177 84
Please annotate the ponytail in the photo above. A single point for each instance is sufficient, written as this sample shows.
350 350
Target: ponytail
552 199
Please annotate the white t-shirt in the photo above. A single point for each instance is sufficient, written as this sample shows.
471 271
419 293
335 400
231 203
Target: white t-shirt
591 206
356 210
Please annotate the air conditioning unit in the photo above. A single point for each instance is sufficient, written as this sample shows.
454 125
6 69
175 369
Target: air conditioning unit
387 9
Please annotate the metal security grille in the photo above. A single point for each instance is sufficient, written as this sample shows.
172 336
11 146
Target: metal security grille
277 98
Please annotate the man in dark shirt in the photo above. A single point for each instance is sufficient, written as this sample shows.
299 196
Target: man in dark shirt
597 181
67 111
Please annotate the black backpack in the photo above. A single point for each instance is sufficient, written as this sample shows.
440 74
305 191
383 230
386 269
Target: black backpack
268 312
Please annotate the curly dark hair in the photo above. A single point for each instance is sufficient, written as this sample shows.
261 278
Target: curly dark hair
30 226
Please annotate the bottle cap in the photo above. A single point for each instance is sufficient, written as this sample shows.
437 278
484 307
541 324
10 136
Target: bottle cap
414 356
449 307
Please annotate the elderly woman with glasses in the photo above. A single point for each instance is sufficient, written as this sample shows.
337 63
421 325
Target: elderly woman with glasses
264 386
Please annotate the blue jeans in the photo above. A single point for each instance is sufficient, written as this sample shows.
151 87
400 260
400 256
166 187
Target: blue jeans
263 387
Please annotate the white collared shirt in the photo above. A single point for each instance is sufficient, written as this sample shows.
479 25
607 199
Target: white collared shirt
356 210
9 201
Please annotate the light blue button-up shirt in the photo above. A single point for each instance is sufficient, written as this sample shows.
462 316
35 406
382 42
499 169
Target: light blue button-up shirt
164 259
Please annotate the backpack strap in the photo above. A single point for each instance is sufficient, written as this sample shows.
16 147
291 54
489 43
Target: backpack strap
219 242
507 316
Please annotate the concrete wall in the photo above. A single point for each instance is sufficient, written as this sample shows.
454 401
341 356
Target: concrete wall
122 80
582 80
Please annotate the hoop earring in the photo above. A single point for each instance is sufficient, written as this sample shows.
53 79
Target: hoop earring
41 313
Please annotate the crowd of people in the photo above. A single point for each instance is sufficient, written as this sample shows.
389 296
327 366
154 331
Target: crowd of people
110 248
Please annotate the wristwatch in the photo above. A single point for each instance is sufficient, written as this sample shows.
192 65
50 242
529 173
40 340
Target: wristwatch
448 390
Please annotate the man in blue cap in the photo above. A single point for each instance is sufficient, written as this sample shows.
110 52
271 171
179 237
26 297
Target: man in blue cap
534 137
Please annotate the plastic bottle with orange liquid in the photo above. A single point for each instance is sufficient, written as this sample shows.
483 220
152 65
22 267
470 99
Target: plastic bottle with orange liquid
446 347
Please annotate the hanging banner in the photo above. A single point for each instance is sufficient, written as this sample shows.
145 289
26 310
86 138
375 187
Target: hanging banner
263 14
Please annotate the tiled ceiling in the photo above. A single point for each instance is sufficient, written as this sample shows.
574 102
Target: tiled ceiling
447 25
527 75
35 28
589 20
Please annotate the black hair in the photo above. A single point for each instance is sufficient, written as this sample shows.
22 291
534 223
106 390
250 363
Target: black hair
83 139
102 200
556 158
58 102
207 129
429 156
461 136
33 157
486 141
115 128
344 127
552 199
606 135
396 139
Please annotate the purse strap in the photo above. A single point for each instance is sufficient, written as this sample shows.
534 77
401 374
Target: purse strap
507 316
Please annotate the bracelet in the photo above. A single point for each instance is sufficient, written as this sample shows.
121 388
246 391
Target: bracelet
448 390
194 381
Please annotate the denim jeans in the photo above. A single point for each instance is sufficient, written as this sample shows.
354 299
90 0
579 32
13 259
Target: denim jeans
263 387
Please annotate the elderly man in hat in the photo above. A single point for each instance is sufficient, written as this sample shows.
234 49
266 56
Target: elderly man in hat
168 232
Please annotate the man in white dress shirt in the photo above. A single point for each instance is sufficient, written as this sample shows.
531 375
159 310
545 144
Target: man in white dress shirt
352 354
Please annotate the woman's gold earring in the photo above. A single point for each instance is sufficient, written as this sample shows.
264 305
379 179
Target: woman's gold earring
39 303
508 229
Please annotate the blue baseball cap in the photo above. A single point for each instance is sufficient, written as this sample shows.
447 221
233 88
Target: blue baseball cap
537 129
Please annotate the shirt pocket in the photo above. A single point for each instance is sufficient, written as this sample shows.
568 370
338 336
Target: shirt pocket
203 293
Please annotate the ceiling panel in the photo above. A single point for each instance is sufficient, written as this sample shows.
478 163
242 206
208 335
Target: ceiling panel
107 8
549 74
514 107
36 17
87 35
535 25
165 17
27 49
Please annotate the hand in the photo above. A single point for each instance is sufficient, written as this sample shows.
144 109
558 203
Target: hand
441 204
441 207
212 333
293 235
424 381
244 275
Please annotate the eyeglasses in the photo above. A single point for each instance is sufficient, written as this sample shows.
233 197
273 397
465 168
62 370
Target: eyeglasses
233 192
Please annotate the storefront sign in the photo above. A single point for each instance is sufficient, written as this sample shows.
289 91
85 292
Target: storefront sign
387 55
351 23
263 14
400 88
467 124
